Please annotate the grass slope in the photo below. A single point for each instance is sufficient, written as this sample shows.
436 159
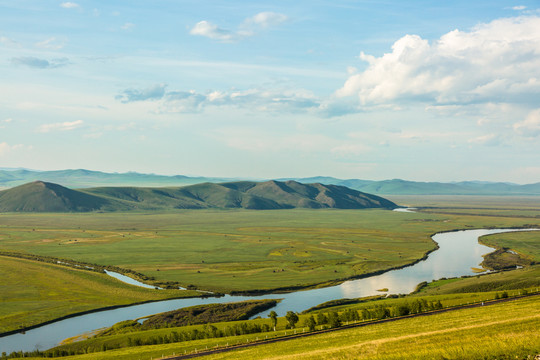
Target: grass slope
505 331
41 196
39 292
248 195
501 331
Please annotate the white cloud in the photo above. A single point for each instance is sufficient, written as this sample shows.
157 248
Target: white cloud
69 5
519 7
96 135
209 30
266 19
8 120
154 92
63 126
487 140
253 140
180 101
51 43
5 148
492 62
38 63
530 127
9 42
249 27
127 26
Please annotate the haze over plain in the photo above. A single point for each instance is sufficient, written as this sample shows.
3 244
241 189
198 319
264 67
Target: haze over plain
424 91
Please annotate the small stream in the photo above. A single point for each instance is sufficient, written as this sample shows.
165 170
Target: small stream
458 253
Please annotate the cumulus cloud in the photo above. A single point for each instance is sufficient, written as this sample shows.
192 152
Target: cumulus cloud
63 126
248 27
155 92
69 5
38 63
497 61
519 7
530 127
209 30
50 43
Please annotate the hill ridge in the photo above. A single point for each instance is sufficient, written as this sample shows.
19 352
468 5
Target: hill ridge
40 196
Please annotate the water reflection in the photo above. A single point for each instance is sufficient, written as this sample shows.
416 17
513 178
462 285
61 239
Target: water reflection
128 280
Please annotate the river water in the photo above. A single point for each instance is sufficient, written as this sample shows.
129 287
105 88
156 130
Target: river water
458 253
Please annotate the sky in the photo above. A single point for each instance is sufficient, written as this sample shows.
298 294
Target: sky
417 90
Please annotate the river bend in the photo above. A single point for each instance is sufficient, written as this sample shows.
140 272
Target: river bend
458 253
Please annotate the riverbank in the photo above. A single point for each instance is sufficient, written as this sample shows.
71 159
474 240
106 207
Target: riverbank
458 252
40 293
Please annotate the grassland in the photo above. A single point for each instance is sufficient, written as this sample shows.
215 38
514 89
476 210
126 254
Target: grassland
498 206
501 331
506 331
525 244
239 250
35 292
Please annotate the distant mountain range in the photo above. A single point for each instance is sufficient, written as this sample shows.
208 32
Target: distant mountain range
85 179
81 178
39 196
404 187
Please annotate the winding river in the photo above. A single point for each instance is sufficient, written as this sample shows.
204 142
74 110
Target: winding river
458 253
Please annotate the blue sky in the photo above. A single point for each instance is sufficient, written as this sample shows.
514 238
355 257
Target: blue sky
418 90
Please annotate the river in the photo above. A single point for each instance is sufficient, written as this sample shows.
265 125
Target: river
458 253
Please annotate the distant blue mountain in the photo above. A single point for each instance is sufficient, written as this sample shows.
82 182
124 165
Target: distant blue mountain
404 187
81 178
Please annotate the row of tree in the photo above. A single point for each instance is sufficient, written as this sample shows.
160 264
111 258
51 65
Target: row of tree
330 319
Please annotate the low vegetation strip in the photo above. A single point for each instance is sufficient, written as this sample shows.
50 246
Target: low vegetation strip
193 315
364 324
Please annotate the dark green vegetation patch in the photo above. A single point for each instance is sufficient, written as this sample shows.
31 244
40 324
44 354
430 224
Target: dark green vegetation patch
194 315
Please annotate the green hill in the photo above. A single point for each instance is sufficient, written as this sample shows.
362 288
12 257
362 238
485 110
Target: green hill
47 197
39 196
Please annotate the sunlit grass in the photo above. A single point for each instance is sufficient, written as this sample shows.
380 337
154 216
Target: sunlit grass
238 249
35 292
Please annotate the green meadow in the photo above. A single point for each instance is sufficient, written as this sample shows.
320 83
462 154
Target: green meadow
500 331
240 250
34 292
505 331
